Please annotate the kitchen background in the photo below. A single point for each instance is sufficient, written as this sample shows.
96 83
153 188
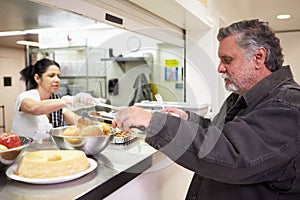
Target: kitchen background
93 60
96 56
86 49
185 34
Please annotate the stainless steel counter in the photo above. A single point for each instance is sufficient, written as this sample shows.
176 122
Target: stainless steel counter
117 165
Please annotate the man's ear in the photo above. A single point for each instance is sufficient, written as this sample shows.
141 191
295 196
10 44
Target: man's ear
260 57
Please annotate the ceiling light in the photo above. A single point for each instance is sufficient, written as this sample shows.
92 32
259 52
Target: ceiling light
283 16
28 43
11 33
63 29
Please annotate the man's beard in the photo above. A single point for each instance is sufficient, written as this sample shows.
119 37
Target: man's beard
230 86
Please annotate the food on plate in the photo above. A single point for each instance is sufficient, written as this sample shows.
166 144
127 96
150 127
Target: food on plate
105 124
121 137
72 131
106 129
10 140
2 147
122 133
93 130
94 113
85 128
82 123
52 163
102 116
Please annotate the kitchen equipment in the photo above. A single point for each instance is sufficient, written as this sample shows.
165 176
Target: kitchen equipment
101 116
160 100
199 108
98 103
106 117
89 144
129 136
8 157
113 87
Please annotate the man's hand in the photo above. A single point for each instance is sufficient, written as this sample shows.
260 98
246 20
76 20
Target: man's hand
130 117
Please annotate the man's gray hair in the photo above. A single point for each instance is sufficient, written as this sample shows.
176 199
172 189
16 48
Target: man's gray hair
253 34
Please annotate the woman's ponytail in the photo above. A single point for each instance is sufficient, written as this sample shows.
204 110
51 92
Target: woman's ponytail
27 74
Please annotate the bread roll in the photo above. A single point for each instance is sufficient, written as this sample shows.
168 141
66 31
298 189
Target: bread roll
71 131
106 130
82 123
91 131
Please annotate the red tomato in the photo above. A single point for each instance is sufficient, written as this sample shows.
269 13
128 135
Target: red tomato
10 140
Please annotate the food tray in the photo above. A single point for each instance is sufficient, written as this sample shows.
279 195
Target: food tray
122 140
103 116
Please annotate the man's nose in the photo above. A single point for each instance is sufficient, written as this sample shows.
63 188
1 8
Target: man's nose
221 68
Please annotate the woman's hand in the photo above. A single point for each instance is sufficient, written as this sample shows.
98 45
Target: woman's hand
67 100
130 117
83 100
79 101
176 112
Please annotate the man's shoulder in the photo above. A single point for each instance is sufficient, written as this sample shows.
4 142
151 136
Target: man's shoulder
289 91
291 85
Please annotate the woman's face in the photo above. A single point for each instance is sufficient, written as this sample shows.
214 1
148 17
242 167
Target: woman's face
50 81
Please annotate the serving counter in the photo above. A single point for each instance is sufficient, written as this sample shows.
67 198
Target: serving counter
116 165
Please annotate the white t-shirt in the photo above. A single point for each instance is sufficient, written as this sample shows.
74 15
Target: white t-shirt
27 124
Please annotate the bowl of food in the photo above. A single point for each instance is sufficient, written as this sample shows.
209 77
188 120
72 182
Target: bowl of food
11 147
91 139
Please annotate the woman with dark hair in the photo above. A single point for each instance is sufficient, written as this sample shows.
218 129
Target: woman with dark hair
39 109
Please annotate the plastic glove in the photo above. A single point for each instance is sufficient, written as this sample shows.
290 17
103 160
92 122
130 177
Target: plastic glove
67 100
83 100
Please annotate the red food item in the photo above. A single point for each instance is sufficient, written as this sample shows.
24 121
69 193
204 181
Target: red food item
10 140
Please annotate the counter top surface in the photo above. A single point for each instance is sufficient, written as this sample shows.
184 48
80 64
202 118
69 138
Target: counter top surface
116 165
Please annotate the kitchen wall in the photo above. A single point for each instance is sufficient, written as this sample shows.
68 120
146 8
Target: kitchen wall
12 61
100 67
291 50
289 40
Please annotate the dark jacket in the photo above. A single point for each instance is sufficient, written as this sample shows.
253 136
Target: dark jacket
250 151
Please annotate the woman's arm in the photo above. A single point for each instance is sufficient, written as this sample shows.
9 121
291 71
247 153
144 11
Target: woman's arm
70 117
31 106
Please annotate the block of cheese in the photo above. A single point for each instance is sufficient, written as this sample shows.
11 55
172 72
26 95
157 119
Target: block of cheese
52 163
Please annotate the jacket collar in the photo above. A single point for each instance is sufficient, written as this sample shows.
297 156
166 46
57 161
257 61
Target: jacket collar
267 84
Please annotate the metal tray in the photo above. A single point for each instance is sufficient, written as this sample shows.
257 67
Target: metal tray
102 116
122 140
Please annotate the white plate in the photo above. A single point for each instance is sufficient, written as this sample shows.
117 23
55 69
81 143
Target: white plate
10 173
